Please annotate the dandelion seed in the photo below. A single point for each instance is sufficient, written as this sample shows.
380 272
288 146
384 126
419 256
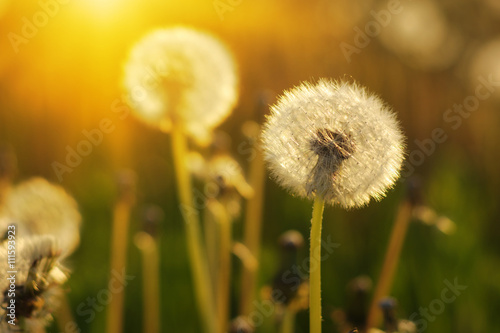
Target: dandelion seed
41 208
333 139
181 77
37 285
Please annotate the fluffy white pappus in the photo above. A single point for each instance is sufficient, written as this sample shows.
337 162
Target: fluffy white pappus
333 139
38 207
180 76
38 281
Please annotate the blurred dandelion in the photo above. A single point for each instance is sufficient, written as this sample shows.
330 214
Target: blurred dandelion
223 207
41 208
336 143
37 286
422 36
183 81
485 63
181 77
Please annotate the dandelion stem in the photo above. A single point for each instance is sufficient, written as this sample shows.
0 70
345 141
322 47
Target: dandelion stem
211 245
288 322
63 314
151 283
253 222
121 220
390 262
199 267
224 271
315 266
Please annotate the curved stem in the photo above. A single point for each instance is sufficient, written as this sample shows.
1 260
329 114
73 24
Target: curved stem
199 267
390 262
315 267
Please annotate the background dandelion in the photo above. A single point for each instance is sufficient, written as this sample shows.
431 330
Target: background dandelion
38 207
170 77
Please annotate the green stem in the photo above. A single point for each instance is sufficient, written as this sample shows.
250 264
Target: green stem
253 223
224 270
199 267
315 267
391 260
288 323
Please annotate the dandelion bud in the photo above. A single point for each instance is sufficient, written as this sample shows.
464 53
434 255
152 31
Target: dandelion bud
181 77
333 139
152 217
358 291
388 306
406 326
291 240
41 208
224 176
241 325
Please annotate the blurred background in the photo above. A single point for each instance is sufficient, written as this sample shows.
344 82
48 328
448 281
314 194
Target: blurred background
437 63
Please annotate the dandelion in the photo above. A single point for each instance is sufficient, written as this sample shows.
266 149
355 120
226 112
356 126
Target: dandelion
183 81
335 140
41 208
181 77
422 36
37 283
485 64
225 177
335 143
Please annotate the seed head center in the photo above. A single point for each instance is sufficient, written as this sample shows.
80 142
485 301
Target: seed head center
332 145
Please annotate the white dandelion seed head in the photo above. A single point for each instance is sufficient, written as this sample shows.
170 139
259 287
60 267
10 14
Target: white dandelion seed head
180 76
38 207
38 280
333 139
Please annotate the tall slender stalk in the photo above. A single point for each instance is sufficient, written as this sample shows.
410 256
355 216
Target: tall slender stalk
253 223
224 269
63 314
119 241
288 322
151 283
391 259
315 266
199 267
211 245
